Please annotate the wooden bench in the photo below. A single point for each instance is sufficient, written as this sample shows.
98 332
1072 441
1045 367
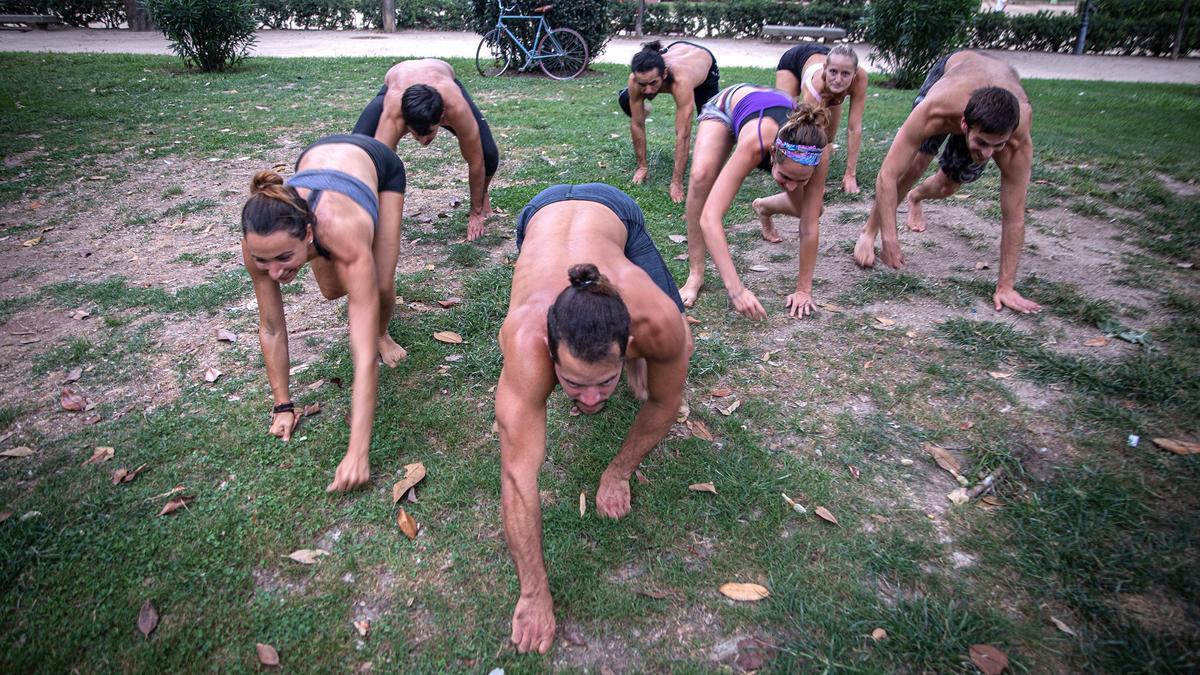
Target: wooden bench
39 21
773 32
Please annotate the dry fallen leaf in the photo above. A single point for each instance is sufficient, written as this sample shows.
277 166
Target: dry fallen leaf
830 307
991 500
80 314
413 473
72 400
699 430
759 268
684 411
267 655
407 525
311 409
102 454
878 634
448 336
449 302
691 320
981 266
74 374
176 504
968 424
703 487
1096 342
677 238
998 375
21 451
212 374
988 659
147 619
721 392
124 475
1062 626
943 458
681 256
730 410
854 472
582 504
362 627
226 336
641 477
1177 447
744 592
824 514
958 496
307 556
33 242
884 321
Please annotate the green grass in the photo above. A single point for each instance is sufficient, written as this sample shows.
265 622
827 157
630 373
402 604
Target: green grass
1073 541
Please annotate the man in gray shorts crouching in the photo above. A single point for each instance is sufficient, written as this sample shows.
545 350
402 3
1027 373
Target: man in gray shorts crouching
591 297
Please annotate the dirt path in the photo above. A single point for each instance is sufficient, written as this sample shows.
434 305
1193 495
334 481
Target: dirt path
748 53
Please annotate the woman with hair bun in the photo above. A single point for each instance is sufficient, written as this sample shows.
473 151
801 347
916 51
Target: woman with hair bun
341 211
745 127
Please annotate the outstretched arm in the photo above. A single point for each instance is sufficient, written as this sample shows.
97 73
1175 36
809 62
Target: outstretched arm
273 338
637 131
899 158
712 223
858 103
809 199
1015 169
391 122
525 383
358 276
472 150
685 110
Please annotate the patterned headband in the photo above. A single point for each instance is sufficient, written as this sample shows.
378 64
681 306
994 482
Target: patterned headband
807 155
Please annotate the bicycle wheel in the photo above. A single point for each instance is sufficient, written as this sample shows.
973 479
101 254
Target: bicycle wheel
562 54
490 58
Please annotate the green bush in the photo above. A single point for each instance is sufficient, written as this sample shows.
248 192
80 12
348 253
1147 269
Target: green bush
1116 28
909 35
742 18
209 34
595 20
453 15
78 13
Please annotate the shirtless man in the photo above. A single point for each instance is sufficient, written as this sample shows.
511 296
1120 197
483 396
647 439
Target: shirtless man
418 97
590 295
977 101
687 72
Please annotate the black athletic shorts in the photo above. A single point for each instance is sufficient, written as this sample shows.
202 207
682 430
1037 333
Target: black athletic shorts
389 170
639 248
793 60
707 89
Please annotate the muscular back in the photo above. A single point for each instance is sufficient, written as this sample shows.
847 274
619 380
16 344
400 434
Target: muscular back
966 71
688 65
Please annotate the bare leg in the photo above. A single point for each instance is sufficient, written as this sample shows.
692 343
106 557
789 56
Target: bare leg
766 208
937 186
713 143
387 251
864 248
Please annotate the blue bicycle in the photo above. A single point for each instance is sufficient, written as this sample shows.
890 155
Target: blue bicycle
561 53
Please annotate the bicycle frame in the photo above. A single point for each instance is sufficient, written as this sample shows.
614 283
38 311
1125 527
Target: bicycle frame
543 28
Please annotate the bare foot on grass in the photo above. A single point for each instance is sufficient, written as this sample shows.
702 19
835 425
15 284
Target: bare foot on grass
691 290
390 352
864 250
768 225
916 217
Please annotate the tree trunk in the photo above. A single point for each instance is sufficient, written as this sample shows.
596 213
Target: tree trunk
1183 17
389 16
641 10
135 16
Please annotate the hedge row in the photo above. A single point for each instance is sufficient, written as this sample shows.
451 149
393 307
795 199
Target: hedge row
1108 32
741 18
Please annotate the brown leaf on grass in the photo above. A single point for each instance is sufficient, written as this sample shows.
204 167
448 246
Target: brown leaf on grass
830 307
965 425
312 409
448 336
224 335
879 635
413 473
641 477
824 514
449 302
699 430
102 454
721 392
727 411
74 374
988 659
991 500
33 242
691 320
363 627
80 314
1177 447
884 321
21 451
959 496
677 238
176 504
1061 626
5 515
147 619
703 487
582 503
681 256
212 374
267 655
759 268
744 592
1096 342
407 525
854 472
124 475
943 458
997 375
307 556
684 411
72 400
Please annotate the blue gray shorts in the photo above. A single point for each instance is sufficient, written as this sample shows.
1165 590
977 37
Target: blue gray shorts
639 248
955 161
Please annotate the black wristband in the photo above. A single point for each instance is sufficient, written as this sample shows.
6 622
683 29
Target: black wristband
282 408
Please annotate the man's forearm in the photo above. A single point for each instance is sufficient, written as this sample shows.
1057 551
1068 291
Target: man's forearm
638 134
521 511
1012 240
650 426
476 179
683 141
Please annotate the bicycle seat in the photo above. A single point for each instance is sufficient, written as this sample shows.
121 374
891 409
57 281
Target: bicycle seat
543 9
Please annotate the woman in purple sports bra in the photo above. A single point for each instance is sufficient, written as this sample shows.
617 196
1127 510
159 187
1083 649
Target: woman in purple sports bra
743 127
